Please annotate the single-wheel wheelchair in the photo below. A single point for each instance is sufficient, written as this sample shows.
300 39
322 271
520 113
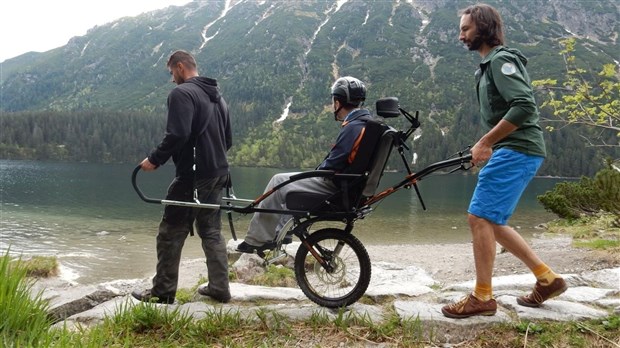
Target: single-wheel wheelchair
332 266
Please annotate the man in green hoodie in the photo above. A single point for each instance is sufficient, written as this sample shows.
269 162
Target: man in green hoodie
515 149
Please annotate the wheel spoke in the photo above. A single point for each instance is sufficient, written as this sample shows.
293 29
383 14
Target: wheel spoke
346 275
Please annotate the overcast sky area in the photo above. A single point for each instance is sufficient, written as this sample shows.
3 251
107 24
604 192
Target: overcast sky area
41 25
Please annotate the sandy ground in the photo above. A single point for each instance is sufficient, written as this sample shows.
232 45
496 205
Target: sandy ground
454 263
450 263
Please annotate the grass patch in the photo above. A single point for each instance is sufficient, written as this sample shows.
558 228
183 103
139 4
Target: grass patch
591 333
593 232
25 324
599 244
38 266
275 275
25 321
24 317
185 295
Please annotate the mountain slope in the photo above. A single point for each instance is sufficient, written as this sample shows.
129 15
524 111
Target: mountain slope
275 61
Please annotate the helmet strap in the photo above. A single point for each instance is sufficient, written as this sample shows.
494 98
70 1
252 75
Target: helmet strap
336 113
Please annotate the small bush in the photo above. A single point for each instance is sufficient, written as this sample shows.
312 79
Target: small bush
572 200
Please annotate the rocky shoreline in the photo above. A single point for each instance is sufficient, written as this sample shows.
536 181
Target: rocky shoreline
415 287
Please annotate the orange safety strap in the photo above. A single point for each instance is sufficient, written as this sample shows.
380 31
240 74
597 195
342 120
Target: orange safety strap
356 145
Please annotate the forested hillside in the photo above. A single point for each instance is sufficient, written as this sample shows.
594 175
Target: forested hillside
102 96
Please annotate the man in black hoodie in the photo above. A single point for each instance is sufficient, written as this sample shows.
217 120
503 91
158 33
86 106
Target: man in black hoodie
197 134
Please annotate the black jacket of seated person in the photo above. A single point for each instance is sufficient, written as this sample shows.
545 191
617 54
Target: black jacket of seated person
265 226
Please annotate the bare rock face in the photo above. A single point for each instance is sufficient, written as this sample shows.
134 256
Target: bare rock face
248 266
597 24
81 301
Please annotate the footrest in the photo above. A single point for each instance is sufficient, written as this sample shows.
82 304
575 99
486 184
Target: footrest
277 255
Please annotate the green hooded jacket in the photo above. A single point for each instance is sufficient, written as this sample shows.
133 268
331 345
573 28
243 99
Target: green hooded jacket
505 92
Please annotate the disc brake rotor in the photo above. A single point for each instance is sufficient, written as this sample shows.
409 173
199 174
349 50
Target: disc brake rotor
334 277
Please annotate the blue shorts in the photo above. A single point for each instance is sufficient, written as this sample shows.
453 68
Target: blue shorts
501 183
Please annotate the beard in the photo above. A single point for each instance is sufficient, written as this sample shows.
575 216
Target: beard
474 44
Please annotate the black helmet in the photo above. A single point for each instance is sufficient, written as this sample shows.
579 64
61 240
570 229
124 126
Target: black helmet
349 90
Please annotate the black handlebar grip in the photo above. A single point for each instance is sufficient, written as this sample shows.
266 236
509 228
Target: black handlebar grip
138 191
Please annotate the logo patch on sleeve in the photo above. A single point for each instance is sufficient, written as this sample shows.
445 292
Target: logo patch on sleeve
509 69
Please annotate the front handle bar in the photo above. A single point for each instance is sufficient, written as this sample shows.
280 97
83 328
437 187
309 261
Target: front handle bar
195 204
138 191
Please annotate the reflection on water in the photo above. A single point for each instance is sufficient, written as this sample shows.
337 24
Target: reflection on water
90 218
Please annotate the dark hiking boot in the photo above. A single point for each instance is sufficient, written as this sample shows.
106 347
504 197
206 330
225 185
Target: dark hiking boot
147 296
288 239
219 297
251 249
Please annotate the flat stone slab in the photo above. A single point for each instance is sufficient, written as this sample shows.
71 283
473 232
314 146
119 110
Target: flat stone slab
590 295
587 294
556 310
389 279
438 327
304 312
68 298
245 292
96 314
606 278
426 311
199 310
609 303
519 281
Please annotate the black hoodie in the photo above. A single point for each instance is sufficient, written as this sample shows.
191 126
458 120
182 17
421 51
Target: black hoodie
197 116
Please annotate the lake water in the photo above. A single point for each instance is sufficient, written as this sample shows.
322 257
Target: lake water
89 216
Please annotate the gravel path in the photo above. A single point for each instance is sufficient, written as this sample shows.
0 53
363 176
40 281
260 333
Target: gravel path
450 263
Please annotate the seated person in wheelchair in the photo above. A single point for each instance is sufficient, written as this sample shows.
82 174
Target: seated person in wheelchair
348 95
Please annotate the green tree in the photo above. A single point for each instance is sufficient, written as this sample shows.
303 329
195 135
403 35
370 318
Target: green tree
584 98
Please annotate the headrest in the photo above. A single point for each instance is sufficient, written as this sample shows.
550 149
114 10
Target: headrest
388 107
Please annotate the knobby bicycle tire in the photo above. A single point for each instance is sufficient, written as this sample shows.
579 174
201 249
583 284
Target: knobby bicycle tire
349 279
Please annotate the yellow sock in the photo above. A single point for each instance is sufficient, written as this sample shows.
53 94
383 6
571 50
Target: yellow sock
544 274
483 292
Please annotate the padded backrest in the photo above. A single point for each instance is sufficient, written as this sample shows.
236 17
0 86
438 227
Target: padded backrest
373 131
372 155
379 161
370 160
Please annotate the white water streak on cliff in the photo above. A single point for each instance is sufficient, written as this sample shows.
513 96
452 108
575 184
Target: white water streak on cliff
205 39
265 15
394 6
328 15
84 49
286 110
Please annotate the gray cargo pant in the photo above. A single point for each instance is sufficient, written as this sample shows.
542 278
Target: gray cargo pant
265 226
176 225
